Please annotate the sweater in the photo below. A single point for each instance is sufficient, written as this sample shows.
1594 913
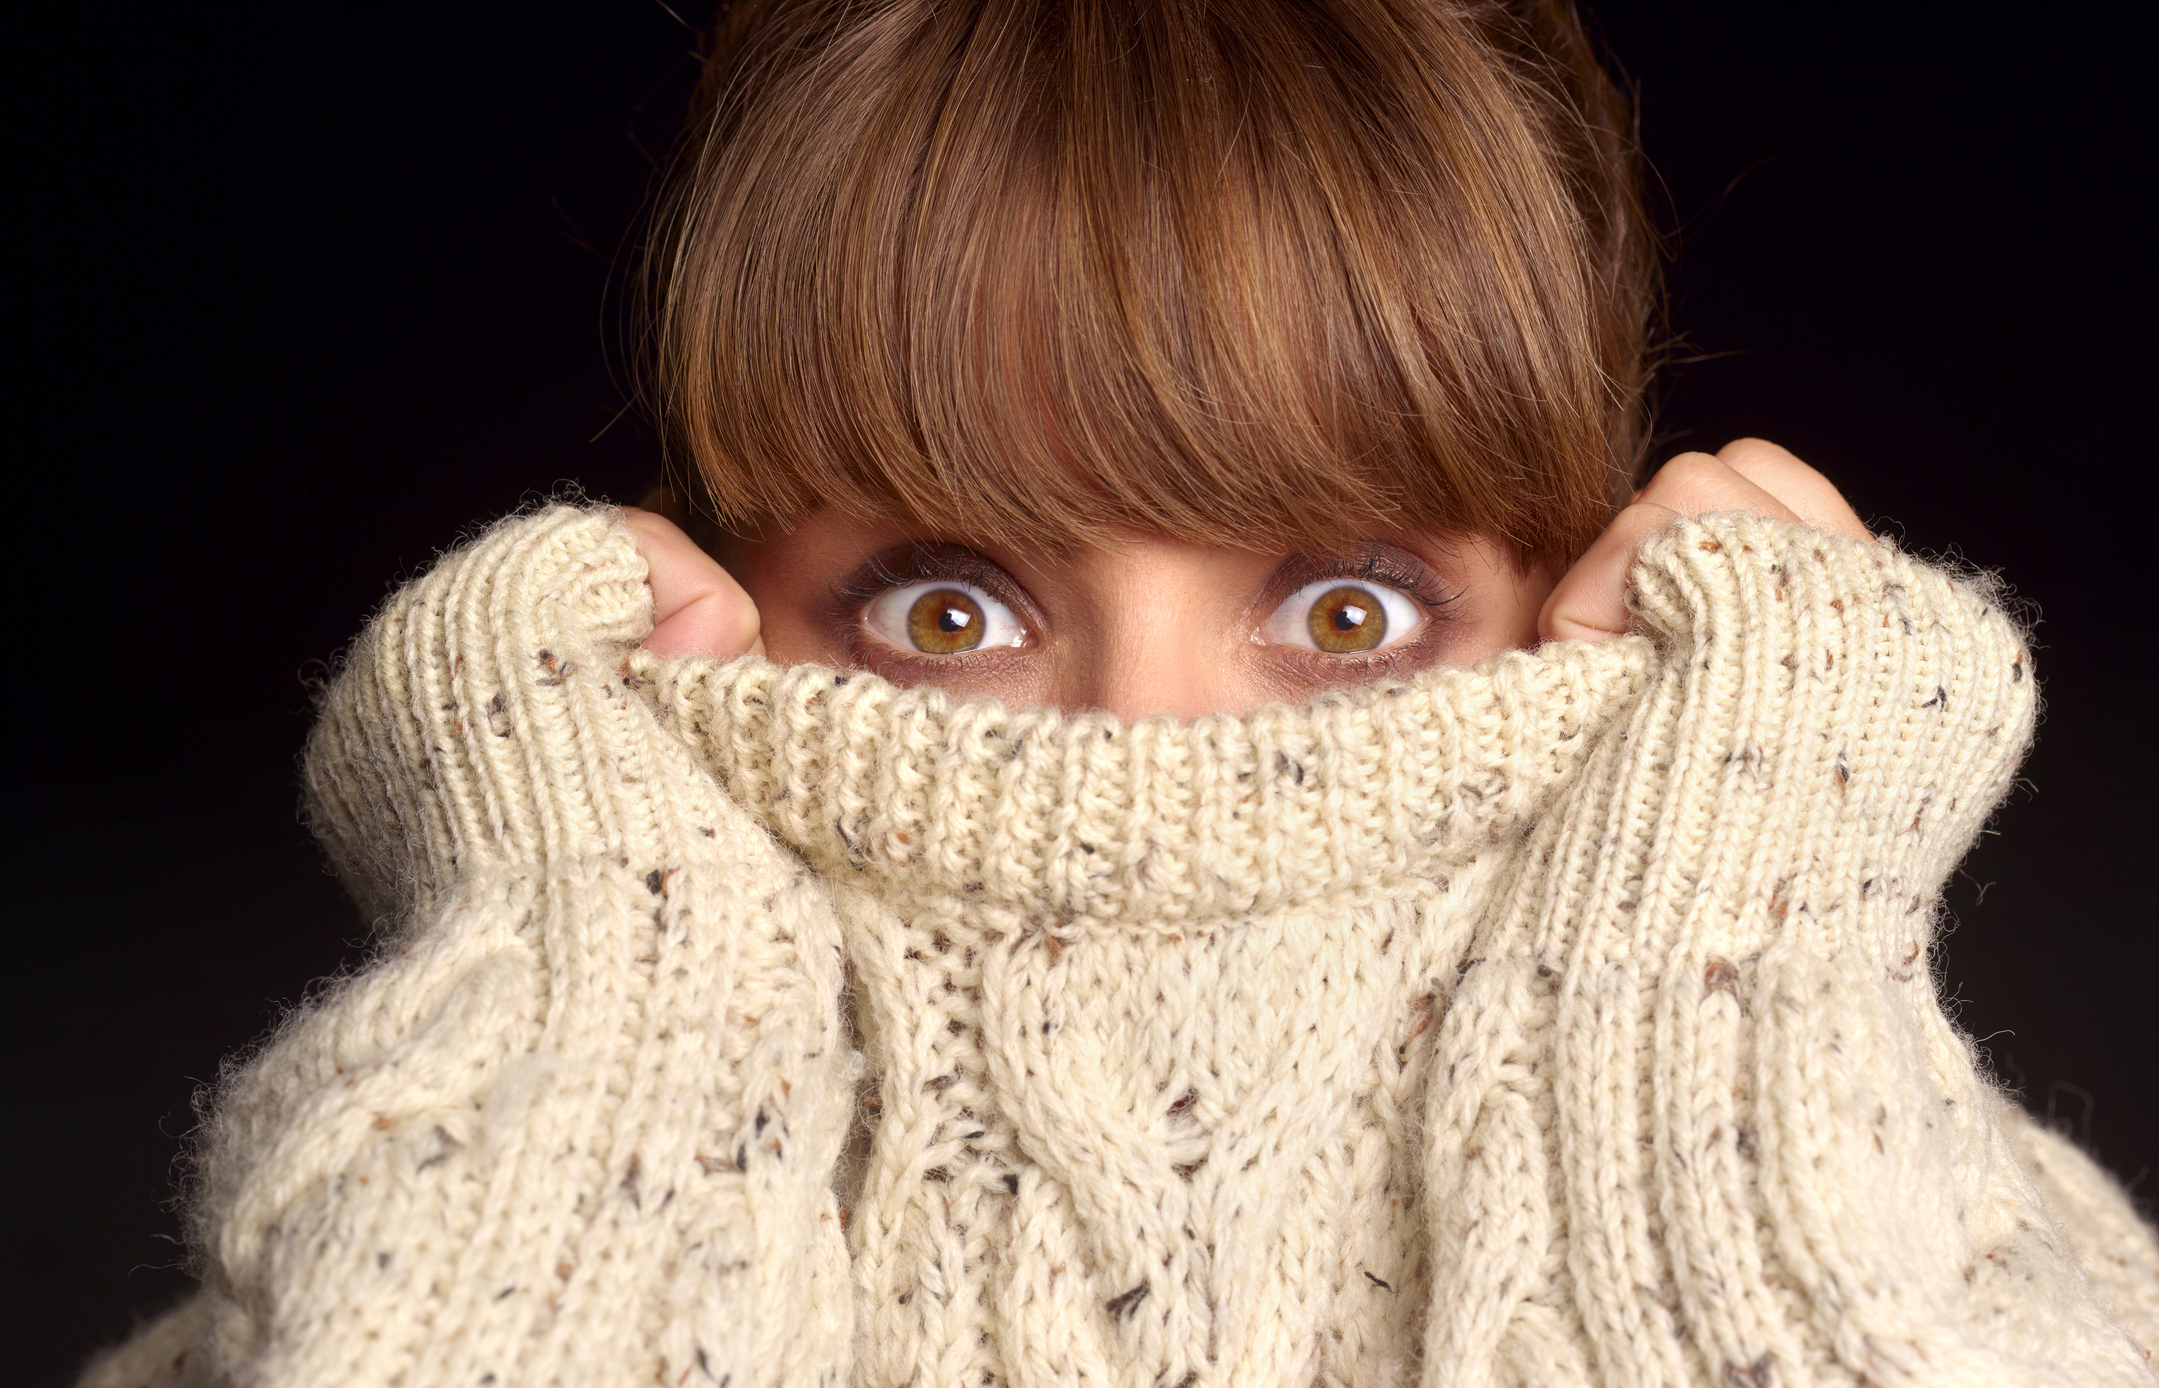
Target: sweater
1568 1019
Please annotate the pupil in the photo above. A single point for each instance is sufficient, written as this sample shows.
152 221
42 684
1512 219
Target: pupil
1349 619
952 620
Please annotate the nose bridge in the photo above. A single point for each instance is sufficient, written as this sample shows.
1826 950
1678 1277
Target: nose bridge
1137 683
1152 648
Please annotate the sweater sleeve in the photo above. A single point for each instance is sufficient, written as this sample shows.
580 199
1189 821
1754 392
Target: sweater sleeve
1706 1120
577 1122
2113 1245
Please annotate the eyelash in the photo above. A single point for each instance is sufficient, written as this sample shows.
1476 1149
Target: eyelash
1371 564
920 564
897 568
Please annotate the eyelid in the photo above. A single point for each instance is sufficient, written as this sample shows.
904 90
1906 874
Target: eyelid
925 561
1370 562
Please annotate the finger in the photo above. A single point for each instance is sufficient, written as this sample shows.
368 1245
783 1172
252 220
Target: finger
1589 602
697 607
1695 484
1810 496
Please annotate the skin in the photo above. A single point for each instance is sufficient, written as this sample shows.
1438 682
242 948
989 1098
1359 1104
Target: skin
1149 625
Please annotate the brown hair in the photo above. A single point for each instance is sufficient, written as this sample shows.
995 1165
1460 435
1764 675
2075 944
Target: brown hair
1236 271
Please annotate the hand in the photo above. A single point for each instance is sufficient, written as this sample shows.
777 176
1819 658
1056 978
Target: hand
1747 475
697 607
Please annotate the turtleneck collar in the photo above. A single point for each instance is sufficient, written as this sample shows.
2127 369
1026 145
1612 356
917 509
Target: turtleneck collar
1081 821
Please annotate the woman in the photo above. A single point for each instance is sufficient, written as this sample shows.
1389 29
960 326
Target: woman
1408 1004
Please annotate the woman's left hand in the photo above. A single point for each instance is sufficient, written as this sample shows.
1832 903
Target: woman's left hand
1748 475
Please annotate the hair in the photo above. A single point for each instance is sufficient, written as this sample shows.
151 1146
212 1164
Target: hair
1242 272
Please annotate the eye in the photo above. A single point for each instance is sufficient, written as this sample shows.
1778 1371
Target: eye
943 618
1342 616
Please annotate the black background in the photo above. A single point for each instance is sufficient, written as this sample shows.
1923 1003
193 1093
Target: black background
302 295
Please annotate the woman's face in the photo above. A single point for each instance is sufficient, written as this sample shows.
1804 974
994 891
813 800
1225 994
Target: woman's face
1143 625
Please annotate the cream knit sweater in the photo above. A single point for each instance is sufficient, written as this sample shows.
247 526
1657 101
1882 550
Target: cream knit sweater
1565 1020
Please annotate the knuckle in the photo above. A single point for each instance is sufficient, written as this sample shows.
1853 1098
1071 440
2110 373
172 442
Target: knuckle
1766 465
730 617
1754 450
1685 466
1686 474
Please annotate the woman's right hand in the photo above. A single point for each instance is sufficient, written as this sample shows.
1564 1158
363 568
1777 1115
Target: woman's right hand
1751 476
697 607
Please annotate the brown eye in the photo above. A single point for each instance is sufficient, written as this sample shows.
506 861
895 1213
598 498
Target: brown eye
945 621
1343 616
944 617
1346 620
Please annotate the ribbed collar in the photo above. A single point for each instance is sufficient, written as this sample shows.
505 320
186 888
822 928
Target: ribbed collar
1082 820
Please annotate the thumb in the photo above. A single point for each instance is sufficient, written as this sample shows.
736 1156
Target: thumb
1589 603
697 607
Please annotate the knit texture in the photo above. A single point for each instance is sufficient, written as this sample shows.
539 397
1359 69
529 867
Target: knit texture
1568 1019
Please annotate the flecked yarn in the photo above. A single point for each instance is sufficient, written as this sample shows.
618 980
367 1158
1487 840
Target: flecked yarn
1564 1020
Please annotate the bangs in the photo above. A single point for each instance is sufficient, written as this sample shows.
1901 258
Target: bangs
1259 275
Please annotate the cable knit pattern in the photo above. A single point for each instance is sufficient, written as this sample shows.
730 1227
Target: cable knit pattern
599 1071
1568 1019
